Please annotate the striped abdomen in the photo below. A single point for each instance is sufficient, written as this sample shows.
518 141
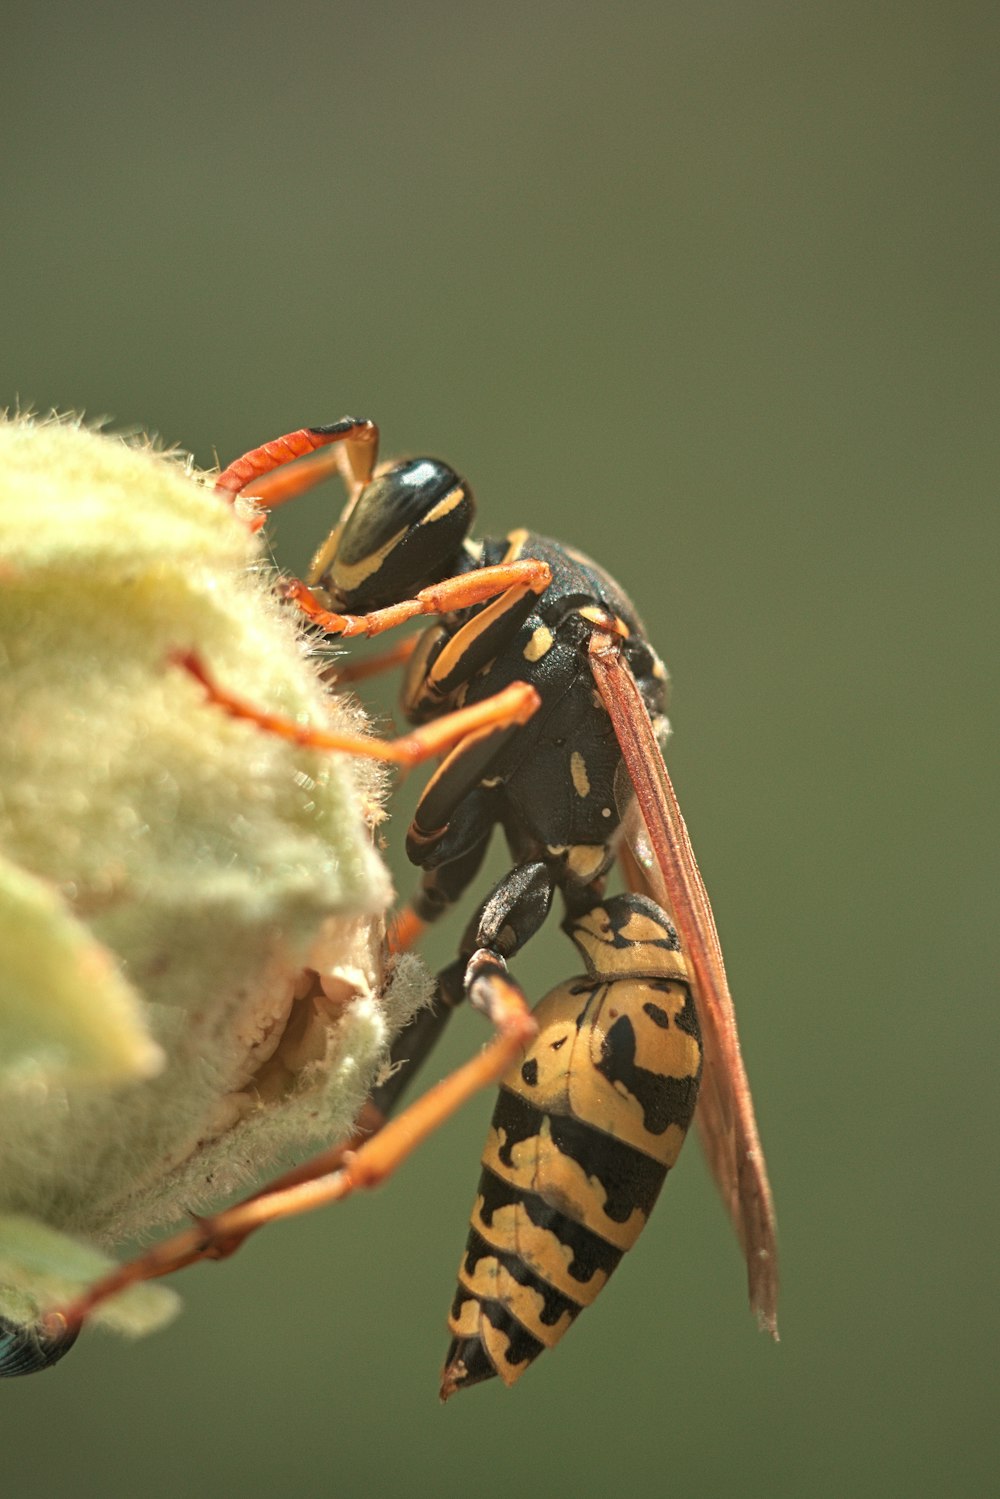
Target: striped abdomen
585 1130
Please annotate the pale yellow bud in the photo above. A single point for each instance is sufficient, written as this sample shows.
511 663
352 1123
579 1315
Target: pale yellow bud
180 893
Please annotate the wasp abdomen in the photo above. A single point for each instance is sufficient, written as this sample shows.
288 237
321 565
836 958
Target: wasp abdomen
585 1129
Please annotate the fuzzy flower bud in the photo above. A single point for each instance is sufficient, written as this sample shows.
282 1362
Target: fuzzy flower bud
191 955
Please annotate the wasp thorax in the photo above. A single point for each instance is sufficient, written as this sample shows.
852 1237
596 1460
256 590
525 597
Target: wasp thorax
405 531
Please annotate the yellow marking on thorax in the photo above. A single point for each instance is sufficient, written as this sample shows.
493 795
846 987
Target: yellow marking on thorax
610 622
541 641
578 770
584 860
515 544
473 629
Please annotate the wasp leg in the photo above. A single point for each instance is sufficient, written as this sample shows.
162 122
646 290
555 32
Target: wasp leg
455 815
448 872
489 990
343 673
405 929
337 1173
356 459
512 914
506 709
452 793
439 598
508 917
454 864
513 911
454 659
407 1055
457 859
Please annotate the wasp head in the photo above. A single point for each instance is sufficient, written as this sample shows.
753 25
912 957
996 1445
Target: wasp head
404 531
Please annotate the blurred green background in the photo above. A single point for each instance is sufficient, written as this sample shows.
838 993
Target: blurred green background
709 289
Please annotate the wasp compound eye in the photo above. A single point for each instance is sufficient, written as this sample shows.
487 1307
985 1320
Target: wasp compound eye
404 532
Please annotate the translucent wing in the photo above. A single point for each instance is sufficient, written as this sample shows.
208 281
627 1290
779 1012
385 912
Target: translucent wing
666 859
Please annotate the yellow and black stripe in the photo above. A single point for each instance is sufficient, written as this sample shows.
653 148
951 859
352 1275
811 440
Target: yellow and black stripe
585 1130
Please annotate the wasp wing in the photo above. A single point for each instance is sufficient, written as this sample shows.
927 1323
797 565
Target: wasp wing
666 859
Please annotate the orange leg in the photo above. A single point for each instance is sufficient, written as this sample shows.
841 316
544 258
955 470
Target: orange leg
340 673
335 1174
440 598
287 483
405 930
514 705
360 450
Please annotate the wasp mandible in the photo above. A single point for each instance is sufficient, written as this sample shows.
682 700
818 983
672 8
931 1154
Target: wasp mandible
537 685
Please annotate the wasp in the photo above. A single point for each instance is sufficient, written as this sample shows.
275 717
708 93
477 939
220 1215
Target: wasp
538 691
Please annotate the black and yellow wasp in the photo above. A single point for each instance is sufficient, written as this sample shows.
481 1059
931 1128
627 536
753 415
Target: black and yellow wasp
537 685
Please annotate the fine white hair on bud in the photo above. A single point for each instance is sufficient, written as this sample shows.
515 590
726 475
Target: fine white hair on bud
192 972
